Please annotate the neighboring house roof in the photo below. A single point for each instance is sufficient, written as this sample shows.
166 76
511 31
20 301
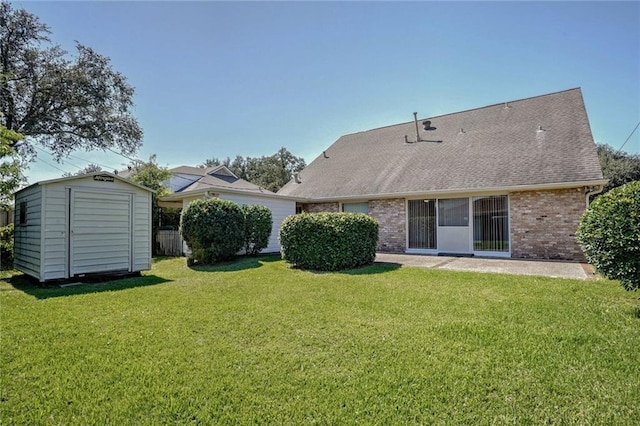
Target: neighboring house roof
544 141
200 181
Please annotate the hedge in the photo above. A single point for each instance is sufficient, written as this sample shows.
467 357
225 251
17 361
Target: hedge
257 227
329 241
213 229
609 233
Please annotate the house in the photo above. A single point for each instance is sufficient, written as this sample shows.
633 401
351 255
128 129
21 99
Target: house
95 223
191 183
508 180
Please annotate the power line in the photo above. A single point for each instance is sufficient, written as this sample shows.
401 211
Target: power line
632 132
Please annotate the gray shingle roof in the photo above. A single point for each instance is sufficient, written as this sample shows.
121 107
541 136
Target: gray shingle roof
493 147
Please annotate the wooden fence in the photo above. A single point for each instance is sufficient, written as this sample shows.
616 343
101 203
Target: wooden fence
169 243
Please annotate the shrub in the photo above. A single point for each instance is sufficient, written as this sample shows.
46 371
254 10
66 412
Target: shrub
257 228
213 229
609 234
329 241
6 247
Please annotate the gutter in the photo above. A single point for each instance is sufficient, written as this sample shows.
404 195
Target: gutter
592 190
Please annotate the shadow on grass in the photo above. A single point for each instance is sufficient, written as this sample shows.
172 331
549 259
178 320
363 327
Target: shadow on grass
240 263
374 268
30 286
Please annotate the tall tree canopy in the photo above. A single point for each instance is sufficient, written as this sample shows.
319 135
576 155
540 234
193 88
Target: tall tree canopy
10 165
271 172
618 166
60 102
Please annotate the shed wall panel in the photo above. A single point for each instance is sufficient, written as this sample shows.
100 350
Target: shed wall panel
28 237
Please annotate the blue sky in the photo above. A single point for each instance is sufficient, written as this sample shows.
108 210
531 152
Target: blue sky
216 79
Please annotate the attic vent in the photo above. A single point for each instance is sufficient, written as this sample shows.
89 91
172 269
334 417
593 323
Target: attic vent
540 129
461 131
296 178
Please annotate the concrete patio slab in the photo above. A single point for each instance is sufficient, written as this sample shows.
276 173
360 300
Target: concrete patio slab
548 268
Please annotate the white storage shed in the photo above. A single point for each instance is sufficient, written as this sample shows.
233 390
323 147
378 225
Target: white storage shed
90 224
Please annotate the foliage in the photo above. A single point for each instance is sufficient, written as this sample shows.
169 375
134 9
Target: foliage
213 229
151 175
257 227
10 166
61 103
609 234
6 247
329 241
270 172
618 166
256 342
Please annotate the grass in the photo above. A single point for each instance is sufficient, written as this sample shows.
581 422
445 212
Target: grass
257 342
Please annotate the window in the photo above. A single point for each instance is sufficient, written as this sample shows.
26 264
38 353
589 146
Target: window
355 207
491 223
22 219
453 212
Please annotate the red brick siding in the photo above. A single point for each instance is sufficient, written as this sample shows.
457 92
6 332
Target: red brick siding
321 207
544 223
391 217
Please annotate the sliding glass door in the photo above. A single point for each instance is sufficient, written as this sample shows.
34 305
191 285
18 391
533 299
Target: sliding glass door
422 224
491 224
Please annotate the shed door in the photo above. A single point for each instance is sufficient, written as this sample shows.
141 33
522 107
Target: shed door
100 229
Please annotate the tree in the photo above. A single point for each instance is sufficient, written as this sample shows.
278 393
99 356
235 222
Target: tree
91 168
270 172
61 103
618 166
609 233
10 166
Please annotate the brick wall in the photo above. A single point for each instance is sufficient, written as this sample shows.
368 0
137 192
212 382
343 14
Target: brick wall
321 207
391 217
544 223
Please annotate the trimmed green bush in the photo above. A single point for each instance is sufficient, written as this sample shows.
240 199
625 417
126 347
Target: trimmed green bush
213 229
609 234
329 241
6 247
257 227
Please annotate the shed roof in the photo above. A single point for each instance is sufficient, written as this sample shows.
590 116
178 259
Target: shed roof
83 176
540 141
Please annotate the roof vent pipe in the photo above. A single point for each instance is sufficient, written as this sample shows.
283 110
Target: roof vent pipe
296 178
324 154
415 118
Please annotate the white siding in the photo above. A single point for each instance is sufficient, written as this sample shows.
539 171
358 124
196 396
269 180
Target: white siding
27 237
279 210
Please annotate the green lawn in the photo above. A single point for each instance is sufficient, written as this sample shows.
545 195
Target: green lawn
257 342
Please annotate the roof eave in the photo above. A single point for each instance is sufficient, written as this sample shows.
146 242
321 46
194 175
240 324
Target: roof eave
200 192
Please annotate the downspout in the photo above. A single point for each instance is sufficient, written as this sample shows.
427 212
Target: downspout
591 191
